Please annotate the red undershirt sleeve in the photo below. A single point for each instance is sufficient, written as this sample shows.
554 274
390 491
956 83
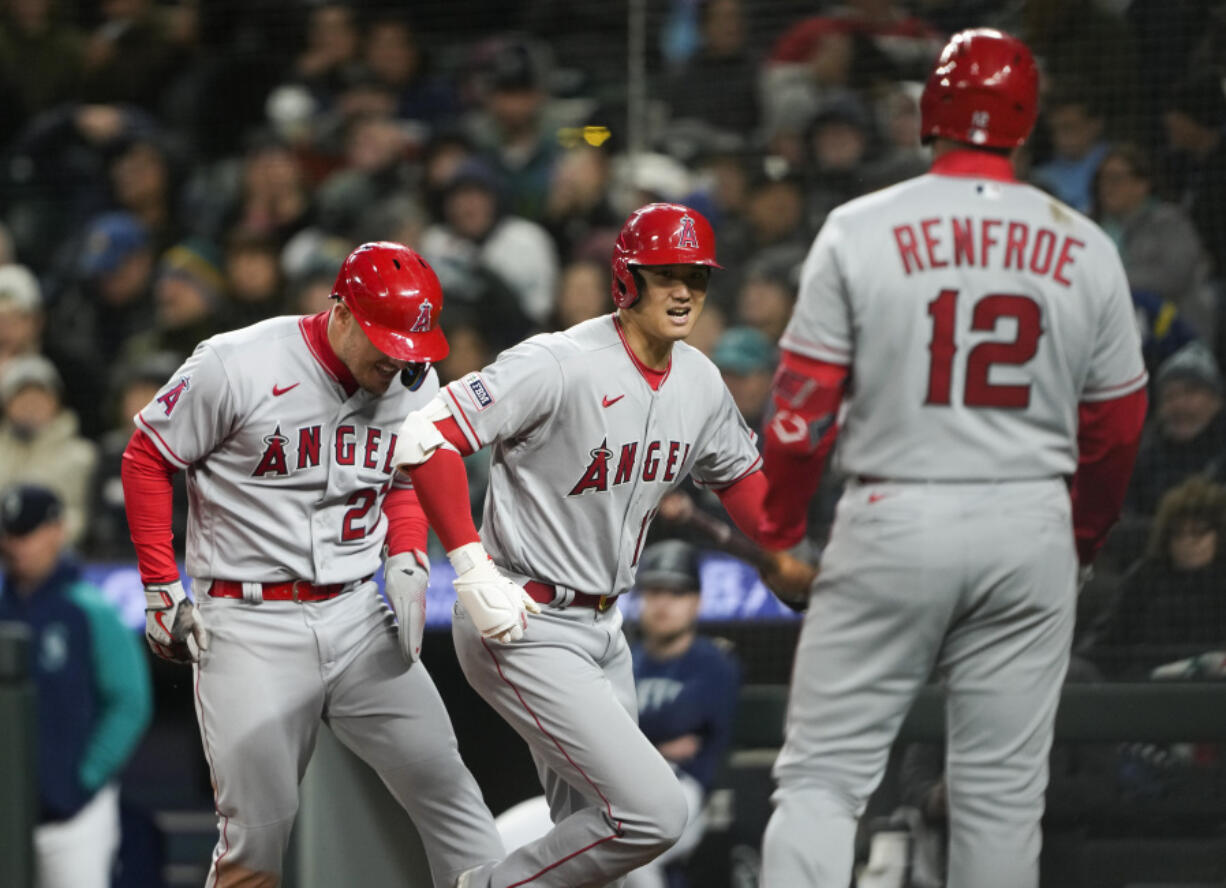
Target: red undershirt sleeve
407 527
148 500
743 502
1108 435
805 403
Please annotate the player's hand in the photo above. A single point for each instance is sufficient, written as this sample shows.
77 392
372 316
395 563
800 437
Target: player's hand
677 507
498 607
174 628
405 580
790 578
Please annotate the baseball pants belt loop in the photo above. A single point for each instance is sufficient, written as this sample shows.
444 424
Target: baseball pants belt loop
560 597
296 590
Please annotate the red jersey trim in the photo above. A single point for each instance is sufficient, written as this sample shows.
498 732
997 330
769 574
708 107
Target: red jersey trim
474 438
654 378
979 164
166 449
315 334
1115 391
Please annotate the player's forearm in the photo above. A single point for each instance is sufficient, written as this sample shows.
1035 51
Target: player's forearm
441 484
148 499
744 501
798 438
1108 435
407 527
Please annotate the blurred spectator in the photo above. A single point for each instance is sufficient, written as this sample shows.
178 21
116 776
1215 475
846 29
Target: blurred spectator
1195 118
1158 244
311 293
1078 146
1172 604
768 293
108 532
901 155
838 143
253 280
687 688
775 213
746 359
503 264
376 171
331 51
21 313
143 183
578 206
441 160
41 55
512 129
187 298
396 58
708 329
108 302
1163 329
128 57
275 198
583 293
39 441
94 700
1187 430
717 85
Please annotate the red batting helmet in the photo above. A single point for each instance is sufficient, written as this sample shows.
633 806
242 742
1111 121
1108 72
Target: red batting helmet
659 234
396 298
984 90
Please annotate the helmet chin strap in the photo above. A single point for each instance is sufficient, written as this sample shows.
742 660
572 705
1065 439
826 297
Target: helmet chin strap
414 375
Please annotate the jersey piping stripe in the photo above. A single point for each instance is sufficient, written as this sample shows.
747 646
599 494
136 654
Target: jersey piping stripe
643 369
724 485
1123 388
535 876
166 449
524 703
473 437
302 328
208 757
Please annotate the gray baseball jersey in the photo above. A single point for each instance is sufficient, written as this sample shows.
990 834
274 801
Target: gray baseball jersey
583 450
975 314
286 475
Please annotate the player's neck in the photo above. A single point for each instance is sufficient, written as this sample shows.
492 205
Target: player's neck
652 351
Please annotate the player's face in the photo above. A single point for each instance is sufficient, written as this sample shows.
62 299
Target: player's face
373 370
670 300
667 614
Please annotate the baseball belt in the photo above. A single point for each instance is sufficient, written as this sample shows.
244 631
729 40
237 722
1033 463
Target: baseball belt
548 594
295 590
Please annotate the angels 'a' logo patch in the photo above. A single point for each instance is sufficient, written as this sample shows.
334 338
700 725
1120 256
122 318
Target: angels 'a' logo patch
170 398
422 323
687 237
477 392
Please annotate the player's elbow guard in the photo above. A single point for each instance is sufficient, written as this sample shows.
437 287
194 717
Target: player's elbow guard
419 437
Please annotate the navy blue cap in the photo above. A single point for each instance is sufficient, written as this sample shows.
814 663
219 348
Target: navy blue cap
27 507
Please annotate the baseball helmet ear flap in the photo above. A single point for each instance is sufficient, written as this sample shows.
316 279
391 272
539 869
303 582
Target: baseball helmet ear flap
414 375
659 234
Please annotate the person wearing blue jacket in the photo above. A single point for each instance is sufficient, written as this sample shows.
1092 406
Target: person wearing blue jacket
93 690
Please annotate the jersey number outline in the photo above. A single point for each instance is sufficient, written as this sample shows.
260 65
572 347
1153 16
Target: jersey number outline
361 502
977 390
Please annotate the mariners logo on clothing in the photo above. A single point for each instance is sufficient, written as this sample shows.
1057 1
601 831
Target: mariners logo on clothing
477 391
171 397
422 324
688 237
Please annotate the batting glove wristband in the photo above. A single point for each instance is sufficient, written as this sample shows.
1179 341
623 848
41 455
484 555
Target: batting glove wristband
406 576
174 627
498 607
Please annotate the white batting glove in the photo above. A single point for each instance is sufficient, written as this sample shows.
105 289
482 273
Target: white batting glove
498 607
174 628
406 577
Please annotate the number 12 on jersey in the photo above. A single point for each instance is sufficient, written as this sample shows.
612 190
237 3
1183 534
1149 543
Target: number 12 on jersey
978 391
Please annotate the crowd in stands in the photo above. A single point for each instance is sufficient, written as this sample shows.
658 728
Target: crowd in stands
174 169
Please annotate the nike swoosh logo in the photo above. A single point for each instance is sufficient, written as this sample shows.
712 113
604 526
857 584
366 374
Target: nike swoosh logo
277 391
876 497
606 401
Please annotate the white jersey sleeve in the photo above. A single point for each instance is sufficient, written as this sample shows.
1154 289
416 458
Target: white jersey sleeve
728 451
1116 365
821 324
519 392
193 411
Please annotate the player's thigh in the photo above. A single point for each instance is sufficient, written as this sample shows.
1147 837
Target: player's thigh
551 690
870 637
259 699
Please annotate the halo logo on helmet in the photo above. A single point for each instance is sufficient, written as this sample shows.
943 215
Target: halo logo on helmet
396 298
983 91
659 234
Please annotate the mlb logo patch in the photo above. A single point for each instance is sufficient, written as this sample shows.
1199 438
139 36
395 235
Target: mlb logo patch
477 391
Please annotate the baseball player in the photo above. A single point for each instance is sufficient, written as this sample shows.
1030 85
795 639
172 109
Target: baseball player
286 430
589 427
990 336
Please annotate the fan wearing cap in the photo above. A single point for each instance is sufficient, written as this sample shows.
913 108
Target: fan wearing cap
94 700
285 430
589 429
